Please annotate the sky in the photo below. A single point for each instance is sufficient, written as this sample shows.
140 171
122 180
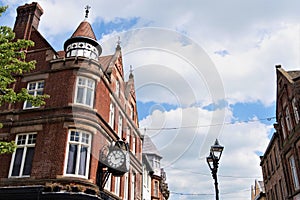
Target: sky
203 70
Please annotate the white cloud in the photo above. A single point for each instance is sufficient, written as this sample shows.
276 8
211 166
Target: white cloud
184 151
256 34
249 75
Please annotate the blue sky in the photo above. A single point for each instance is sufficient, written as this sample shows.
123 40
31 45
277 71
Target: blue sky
200 65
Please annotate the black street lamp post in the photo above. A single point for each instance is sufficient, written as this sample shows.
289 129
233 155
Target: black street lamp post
213 163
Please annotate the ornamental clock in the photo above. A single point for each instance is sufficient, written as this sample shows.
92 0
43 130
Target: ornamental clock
116 158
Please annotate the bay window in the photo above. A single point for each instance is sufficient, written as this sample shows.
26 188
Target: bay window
85 88
78 153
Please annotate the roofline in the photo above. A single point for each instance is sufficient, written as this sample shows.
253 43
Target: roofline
284 73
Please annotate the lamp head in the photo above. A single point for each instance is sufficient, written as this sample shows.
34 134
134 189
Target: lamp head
210 160
217 149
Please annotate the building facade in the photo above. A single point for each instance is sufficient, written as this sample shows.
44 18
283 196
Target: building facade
71 148
281 161
147 178
258 191
158 188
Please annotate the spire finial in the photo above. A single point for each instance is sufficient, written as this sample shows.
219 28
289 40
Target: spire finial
130 74
131 70
87 10
118 43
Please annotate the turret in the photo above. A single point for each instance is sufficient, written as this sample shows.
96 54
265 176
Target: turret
83 42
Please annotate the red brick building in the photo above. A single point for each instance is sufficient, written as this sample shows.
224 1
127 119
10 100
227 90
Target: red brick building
91 107
281 161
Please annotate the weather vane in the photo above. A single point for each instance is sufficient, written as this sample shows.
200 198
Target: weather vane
87 8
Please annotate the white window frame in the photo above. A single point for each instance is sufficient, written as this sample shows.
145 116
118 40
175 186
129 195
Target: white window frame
80 143
120 126
37 90
126 186
295 109
145 173
28 142
117 185
86 84
108 183
132 191
288 119
112 115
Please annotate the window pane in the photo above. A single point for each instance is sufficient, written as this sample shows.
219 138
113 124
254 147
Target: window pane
21 139
83 158
81 81
73 52
72 159
85 138
80 92
31 139
28 105
28 161
40 92
41 85
91 84
17 162
74 136
89 97
31 86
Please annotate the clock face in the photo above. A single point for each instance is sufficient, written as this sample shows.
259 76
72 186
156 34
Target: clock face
116 158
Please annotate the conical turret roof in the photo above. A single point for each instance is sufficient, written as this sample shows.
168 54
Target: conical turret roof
84 33
84 30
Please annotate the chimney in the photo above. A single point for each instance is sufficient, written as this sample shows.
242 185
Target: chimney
28 17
